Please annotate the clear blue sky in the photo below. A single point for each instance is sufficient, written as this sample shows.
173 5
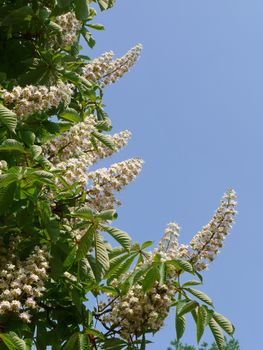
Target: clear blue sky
194 104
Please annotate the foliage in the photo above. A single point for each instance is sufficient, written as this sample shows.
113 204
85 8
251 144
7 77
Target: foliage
59 248
229 345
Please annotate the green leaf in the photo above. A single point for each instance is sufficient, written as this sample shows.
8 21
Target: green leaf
68 262
101 253
84 213
147 244
11 145
181 265
19 343
120 236
72 343
114 344
71 115
224 323
96 26
201 322
152 275
200 295
109 214
187 307
103 139
191 283
104 4
36 151
8 118
95 332
82 9
6 197
218 335
120 265
8 341
84 342
162 272
28 137
85 243
180 324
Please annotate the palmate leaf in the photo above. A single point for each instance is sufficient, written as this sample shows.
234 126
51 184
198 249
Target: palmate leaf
13 342
151 276
11 145
82 9
120 236
85 243
121 268
78 341
201 322
103 139
101 253
180 324
8 118
186 306
19 343
83 213
115 262
218 335
181 265
224 323
109 214
200 295
70 114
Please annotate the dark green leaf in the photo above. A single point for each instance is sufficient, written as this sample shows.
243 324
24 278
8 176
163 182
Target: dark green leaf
82 9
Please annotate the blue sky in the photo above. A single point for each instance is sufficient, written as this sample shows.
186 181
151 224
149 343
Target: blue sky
194 105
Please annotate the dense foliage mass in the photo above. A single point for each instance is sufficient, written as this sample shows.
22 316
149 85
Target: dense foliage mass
62 284
229 345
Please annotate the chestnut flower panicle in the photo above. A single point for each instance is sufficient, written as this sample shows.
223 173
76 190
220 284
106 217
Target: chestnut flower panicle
107 181
21 281
107 71
207 242
137 311
70 27
32 99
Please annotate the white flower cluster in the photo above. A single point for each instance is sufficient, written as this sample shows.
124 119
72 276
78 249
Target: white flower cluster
107 71
21 282
71 143
168 248
138 311
36 98
106 181
70 27
74 152
207 242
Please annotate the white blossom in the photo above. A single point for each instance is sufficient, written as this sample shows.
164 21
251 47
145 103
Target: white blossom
70 27
207 242
107 71
36 98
